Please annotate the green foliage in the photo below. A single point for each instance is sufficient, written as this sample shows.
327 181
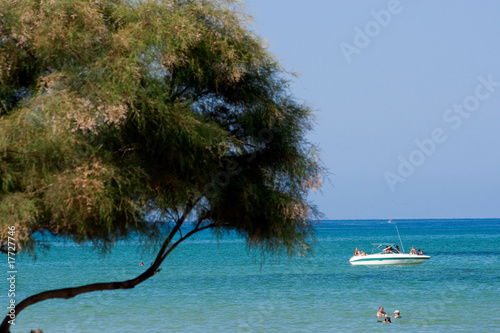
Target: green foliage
114 111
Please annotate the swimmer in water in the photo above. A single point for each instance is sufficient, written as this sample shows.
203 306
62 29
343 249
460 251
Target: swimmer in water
381 312
386 320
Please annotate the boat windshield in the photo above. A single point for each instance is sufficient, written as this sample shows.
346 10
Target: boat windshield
384 248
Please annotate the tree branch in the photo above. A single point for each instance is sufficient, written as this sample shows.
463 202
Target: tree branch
67 293
189 234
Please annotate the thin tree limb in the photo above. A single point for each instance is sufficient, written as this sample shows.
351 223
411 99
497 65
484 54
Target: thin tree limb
67 293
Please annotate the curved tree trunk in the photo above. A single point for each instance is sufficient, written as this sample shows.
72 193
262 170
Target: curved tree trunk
71 292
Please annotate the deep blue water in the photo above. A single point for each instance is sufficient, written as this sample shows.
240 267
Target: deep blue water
211 285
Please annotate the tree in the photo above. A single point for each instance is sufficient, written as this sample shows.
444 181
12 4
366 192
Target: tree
124 118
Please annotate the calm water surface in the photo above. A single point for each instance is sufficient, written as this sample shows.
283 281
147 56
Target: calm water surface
219 286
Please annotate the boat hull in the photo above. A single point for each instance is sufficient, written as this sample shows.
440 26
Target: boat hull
389 259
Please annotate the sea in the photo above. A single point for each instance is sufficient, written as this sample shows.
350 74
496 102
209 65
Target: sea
217 284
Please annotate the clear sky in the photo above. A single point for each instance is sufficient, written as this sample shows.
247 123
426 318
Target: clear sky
407 98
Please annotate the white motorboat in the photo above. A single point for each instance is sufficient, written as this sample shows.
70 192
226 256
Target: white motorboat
388 254
388 257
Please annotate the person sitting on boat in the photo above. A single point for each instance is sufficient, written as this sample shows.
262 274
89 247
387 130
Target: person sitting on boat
381 312
420 252
413 251
397 249
363 253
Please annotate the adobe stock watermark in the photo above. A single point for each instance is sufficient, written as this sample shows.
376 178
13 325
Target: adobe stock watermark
454 117
373 28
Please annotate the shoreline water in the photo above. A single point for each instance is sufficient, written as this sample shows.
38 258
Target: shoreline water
211 285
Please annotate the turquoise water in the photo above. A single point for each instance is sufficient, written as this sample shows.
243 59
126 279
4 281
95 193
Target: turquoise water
208 285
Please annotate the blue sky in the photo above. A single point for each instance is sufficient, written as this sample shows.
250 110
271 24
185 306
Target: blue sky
407 98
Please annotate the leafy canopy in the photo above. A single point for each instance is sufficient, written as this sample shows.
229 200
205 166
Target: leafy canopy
116 115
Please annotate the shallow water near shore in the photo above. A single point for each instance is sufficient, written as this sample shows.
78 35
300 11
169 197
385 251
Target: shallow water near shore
210 285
